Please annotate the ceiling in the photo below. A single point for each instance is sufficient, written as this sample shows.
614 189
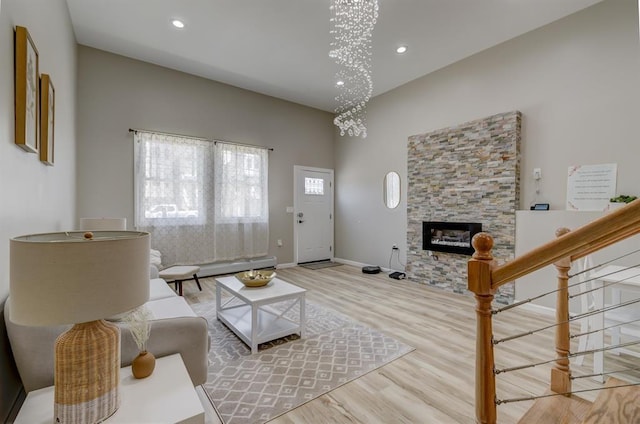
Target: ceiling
280 47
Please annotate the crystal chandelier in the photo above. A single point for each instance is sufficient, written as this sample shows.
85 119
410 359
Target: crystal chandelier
352 28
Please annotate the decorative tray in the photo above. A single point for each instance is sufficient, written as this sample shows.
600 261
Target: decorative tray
256 278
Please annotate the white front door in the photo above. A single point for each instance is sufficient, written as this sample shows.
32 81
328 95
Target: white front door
313 214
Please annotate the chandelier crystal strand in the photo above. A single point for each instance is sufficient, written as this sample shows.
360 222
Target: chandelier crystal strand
352 29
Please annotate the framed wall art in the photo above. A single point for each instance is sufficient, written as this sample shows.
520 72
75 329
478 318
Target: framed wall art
47 118
26 91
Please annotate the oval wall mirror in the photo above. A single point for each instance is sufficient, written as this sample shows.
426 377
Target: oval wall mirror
391 190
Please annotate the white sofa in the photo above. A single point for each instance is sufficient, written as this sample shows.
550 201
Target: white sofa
175 328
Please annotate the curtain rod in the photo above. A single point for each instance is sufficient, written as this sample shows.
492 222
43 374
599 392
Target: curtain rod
133 130
242 144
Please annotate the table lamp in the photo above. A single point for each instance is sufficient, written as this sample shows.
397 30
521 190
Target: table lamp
80 278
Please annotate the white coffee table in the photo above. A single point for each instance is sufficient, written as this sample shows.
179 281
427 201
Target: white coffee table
247 312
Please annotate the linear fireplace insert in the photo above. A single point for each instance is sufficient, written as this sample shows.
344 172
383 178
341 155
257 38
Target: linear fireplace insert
451 237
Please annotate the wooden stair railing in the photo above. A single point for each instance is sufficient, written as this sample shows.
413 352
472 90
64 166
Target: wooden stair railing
485 276
561 371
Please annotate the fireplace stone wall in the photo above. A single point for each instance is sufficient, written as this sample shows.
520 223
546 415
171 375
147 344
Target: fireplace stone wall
466 173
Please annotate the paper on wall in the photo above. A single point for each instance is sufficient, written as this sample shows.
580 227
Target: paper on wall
589 187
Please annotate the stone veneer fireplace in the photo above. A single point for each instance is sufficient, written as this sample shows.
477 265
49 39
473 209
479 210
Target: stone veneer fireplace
464 174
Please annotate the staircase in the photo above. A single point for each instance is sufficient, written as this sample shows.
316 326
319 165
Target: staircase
612 406
619 405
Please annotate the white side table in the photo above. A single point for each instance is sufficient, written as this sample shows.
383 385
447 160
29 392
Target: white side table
166 396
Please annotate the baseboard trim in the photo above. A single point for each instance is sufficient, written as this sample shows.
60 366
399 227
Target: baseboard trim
543 310
231 267
287 265
347 262
360 264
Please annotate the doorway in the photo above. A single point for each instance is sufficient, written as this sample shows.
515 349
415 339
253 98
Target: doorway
313 214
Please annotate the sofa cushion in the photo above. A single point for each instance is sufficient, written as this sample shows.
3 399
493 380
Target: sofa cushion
170 307
159 289
32 350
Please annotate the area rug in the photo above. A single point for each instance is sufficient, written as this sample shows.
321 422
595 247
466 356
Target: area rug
289 372
320 265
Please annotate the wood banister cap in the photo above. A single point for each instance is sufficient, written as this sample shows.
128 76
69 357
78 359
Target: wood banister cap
482 243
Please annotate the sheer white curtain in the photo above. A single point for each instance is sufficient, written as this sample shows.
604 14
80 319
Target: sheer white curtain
201 201
174 196
241 201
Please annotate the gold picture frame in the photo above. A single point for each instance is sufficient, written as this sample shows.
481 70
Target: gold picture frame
26 91
47 118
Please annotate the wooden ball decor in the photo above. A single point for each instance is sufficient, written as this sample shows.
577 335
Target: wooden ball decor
482 243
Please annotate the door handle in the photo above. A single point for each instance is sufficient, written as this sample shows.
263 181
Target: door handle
300 221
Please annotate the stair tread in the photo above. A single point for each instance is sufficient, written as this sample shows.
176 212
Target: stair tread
557 409
615 406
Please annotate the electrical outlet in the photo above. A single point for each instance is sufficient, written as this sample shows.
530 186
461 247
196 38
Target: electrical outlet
279 243
537 174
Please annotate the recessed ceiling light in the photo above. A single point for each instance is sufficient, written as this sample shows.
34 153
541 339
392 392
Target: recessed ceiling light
401 49
339 83
177 23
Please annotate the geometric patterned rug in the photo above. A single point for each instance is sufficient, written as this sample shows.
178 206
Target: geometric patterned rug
288 372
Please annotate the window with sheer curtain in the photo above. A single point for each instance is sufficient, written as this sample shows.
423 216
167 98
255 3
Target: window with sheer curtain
202 201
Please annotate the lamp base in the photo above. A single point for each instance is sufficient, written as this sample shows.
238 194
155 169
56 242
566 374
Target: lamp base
87 373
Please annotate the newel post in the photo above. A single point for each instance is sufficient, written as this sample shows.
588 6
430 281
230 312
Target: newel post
561 371
479 282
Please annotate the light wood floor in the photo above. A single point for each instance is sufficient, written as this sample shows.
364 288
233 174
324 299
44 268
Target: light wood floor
435 382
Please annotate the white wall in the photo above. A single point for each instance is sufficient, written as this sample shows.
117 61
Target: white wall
537 228
576 82
35 197
116 93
